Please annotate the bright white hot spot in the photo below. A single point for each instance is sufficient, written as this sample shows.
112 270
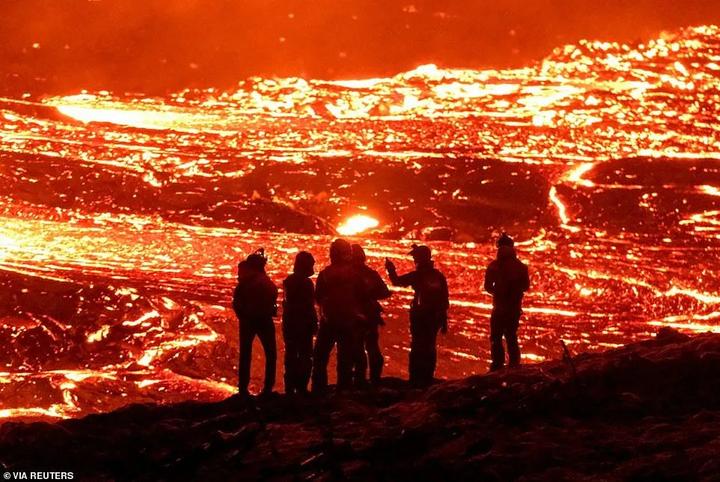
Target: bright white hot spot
357 224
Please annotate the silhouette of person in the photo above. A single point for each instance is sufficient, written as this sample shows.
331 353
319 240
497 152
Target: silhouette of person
506 279
428 312
299 323
254 303
336 294
372 289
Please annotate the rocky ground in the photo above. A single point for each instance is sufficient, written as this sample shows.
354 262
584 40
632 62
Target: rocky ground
647 411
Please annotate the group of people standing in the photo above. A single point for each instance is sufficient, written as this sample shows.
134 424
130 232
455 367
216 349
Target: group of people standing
347 295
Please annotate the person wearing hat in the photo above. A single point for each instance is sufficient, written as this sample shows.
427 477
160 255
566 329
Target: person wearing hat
299 323
506 279
428 312
372 289
254 303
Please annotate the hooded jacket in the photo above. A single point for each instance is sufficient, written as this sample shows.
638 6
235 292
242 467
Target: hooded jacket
338 293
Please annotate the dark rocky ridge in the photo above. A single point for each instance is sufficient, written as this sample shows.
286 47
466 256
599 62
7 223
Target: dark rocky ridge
647 411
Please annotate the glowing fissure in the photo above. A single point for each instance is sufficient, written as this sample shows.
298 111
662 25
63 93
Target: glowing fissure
357 224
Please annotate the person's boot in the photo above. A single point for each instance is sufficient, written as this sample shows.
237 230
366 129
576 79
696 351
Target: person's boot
360 382
496 367
267 392
318 389
289 386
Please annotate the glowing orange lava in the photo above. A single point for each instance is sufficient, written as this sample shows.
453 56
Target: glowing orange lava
123 219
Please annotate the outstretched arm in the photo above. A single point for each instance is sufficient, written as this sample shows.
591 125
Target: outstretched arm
404 280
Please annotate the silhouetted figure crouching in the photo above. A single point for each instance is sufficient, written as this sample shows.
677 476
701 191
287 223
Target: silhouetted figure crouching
254 302
506 279
372 288
336 293
299 323
428 312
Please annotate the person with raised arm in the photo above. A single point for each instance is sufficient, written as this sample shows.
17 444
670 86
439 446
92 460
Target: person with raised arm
428 312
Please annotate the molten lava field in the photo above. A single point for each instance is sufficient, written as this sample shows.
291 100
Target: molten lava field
123 217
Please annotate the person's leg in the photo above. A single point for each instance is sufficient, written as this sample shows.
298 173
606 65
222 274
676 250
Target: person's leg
496 345
346 356
375 358
266 332
321 355
291 360
422 350
304 361
415 348
425 336
247 335
511 339
361 360
429 375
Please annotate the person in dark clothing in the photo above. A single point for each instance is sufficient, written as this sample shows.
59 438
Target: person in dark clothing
337 295
506 279
254 303
372 289
299 323
428 312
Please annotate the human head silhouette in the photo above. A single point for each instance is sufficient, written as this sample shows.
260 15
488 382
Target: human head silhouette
358 254
340 251
505 247
421 255
505 240
256 261
304 264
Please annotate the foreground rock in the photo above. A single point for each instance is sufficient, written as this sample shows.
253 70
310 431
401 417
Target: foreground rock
648 411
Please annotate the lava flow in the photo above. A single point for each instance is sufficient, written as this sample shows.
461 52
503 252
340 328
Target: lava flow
123 217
